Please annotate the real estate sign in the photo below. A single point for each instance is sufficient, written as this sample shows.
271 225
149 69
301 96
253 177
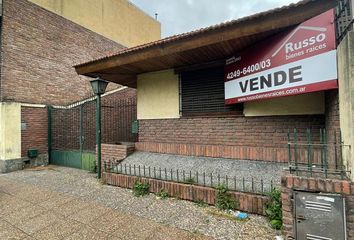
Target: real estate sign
301 60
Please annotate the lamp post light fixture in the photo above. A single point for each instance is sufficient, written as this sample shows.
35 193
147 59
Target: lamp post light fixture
99 87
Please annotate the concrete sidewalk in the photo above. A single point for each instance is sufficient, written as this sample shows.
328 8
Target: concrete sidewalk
28 212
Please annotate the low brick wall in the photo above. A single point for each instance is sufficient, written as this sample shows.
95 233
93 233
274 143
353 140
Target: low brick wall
291 183
268 154
116 152
252 203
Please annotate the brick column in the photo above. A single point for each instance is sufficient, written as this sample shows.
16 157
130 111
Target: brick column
115 152
290 183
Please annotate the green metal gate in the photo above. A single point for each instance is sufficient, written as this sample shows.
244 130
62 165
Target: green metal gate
71 137
70 127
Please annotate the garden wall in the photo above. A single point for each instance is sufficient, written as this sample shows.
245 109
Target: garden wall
248 202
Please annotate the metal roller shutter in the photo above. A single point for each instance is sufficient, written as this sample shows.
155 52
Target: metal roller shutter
202 93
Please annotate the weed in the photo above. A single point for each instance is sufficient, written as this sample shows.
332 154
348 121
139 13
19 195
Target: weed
223 200
140 189
93 168
163 194
274 209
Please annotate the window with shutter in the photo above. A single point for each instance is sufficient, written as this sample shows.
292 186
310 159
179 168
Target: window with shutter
202 94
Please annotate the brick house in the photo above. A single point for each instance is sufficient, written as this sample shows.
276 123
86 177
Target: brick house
180 91
187 105
40 42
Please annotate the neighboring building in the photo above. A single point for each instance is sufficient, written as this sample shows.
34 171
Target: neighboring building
38 51
118 20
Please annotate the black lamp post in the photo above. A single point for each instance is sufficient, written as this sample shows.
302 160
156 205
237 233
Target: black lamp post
99 87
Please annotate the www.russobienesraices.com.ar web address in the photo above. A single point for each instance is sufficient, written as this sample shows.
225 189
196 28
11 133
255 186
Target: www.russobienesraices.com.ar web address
274 94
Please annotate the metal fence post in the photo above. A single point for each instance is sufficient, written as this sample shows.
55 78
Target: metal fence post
98 134
289 148
295 150
81 140
49 111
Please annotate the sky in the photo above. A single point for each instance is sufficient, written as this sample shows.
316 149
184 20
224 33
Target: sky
178 16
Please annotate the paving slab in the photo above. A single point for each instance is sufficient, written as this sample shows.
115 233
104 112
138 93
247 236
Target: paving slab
61 229
138 229
110 222
70 207
12 204
163 233
22 215
56 201
87 233
89 213
39 222
8 231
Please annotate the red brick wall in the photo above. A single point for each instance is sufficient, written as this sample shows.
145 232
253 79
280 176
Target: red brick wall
36 133
291 183
118 112
115 152
116 117
333 126
255 138
252 203
332 111
39 49
119 95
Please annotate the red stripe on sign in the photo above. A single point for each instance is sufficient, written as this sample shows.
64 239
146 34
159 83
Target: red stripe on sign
311 38
315 87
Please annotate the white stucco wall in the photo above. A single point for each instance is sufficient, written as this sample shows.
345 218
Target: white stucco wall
10 131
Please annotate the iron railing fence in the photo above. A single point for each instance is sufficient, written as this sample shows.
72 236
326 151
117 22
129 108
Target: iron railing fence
257 185
317 154
344 18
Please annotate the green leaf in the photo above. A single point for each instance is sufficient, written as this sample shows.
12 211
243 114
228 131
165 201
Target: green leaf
276 224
